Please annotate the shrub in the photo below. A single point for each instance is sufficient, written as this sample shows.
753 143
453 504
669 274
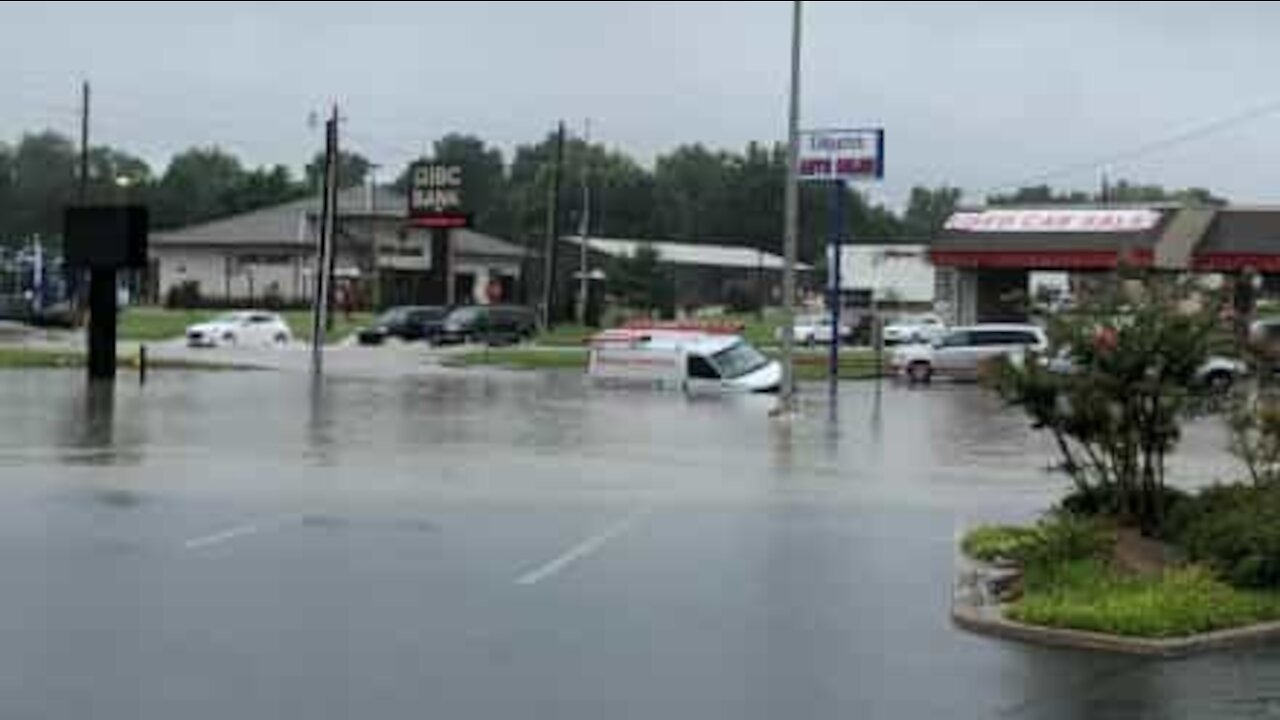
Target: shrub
995 543
1057 538
1106 501
1089 595
1236 531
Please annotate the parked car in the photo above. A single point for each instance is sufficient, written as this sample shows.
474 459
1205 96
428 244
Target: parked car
914 329
407 322
816 330
962 352
1217 374
491 324
241 328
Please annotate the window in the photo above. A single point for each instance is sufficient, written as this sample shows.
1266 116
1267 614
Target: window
957 339
260 319
740 359
701 369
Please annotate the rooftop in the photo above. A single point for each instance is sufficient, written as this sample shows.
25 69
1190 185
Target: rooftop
686 253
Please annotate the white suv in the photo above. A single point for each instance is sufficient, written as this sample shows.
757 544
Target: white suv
962 351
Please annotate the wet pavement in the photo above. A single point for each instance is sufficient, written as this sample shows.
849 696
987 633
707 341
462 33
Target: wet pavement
484 544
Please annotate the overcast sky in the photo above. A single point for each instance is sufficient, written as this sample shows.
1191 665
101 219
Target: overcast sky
974 94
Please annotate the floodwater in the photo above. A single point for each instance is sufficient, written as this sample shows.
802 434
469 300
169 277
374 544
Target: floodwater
484 544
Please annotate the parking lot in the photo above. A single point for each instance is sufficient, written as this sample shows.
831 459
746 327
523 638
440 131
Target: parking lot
487 544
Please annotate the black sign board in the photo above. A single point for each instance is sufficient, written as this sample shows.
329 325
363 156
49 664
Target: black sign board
108 236
435 196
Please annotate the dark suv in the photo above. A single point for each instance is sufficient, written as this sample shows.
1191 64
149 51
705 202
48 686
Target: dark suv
410 322
491 324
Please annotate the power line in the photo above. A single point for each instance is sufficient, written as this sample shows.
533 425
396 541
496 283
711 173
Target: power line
1145 149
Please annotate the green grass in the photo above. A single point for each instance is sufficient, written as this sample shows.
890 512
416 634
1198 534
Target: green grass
1089 595
809 366
18 358
522 358
991 543
152 323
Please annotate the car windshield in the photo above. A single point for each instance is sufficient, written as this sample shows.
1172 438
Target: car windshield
231 318
739 359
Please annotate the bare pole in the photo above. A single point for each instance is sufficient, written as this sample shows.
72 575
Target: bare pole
84 142
786 398
584 228
553 233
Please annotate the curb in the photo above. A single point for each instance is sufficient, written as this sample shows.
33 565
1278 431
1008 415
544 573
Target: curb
970 611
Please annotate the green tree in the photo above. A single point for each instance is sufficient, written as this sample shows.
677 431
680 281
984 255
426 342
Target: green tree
928 209
199 184
353 170
640 282
1115 412
43 172
484 180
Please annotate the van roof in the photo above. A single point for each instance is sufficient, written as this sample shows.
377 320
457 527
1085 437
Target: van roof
700 342
1000 326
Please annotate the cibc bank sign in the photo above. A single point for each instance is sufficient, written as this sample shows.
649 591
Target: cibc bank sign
435 196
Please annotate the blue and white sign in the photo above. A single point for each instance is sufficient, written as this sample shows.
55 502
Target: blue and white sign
856 154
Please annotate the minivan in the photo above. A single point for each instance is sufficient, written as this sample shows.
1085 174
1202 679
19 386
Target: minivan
961 352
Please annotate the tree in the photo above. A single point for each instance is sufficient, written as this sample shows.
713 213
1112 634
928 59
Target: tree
1122 191
928 209
484 181
1132 357
199 184
353 170
640 281
43 172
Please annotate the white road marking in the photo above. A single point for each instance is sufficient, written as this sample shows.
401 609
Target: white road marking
580 551
234 532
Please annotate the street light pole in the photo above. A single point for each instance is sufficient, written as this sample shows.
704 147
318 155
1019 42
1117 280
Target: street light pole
786 398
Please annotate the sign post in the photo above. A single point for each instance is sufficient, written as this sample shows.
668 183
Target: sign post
838 157
436 202
104 239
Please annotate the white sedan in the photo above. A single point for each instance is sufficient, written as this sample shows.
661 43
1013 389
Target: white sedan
816 330
920 329
254 328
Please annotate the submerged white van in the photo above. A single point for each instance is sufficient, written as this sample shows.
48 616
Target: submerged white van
691 358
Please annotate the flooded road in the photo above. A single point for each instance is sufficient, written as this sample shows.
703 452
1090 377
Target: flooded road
487 545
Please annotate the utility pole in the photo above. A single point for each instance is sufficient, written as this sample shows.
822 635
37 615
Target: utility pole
373 233
332 179
786 397
324 244
553 234
584 227
84 142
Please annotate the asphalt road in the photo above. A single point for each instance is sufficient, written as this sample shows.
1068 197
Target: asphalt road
481 544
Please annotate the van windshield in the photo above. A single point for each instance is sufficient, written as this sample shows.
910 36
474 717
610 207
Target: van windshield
738 360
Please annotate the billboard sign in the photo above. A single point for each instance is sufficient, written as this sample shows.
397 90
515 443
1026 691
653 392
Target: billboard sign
856 154
435 196
1054 221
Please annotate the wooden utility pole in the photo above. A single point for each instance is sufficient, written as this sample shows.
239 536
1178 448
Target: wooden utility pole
787 393
321 295
553 234
84 143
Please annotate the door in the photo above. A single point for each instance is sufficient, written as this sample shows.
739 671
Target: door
261 329
700 374
955 354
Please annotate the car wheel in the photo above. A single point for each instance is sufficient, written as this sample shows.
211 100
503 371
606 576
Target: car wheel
919 372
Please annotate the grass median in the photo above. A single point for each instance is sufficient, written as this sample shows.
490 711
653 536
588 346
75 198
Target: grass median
854 364
1072 580
149 324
